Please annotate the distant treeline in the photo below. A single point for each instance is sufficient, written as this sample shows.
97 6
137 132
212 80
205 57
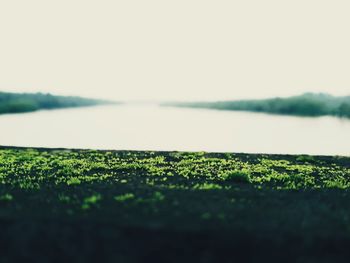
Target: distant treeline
308 104
27 102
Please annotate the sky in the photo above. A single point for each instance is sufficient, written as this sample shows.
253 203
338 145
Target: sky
175 50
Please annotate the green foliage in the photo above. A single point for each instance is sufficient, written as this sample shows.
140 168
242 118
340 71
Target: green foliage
158 196
27 102
32 170
242 176
344 110
305 158
73 181
206 186
90 201
124 197
6 198
308 104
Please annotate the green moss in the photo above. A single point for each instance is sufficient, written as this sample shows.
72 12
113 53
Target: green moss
189 192
73 181
90 201
242 176
206 186
6 198
124 197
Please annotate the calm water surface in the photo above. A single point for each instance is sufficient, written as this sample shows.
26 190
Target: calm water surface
150 127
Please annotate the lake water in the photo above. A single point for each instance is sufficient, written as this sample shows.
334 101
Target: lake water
151 127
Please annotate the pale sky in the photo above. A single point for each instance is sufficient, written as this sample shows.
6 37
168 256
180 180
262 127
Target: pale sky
175 50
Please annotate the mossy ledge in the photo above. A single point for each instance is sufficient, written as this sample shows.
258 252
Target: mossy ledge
133 206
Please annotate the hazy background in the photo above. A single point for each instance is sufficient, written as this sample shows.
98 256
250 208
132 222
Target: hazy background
175 50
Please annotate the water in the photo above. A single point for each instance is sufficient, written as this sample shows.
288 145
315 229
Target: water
151 127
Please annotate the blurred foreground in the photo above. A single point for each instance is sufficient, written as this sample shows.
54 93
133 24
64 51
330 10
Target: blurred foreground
124 206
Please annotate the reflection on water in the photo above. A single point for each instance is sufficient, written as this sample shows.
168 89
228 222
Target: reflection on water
150 127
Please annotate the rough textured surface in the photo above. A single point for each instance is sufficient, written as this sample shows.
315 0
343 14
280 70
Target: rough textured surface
118 206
